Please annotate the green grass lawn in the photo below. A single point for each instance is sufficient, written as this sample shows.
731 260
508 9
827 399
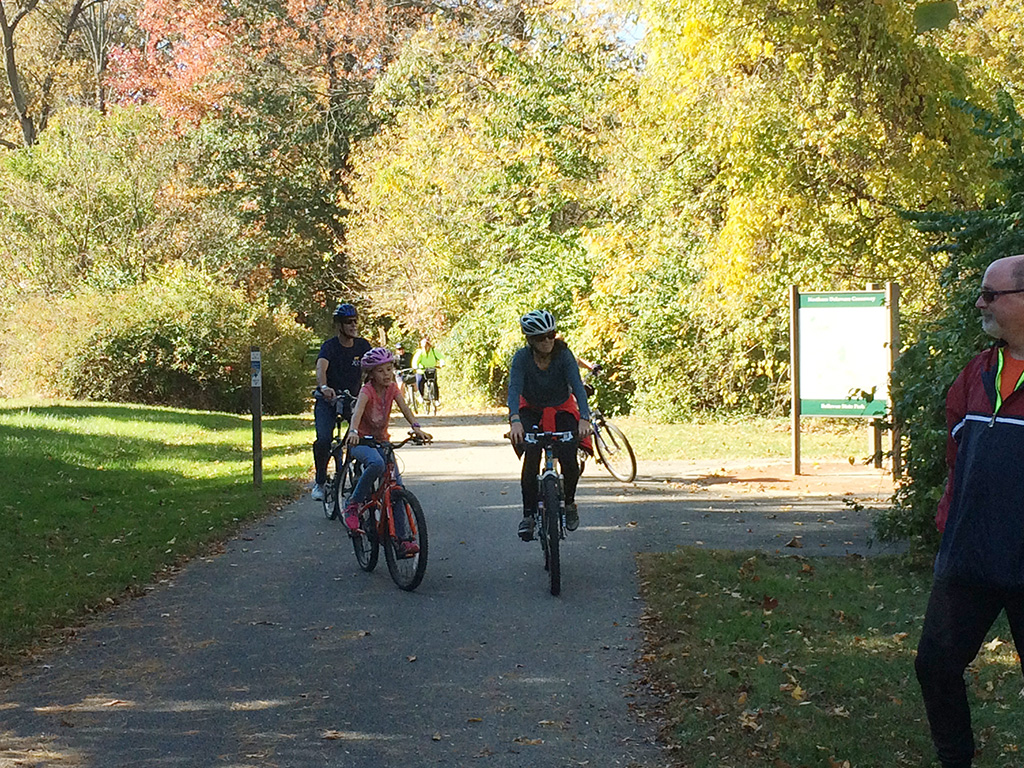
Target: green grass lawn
769 661
753 438
96 498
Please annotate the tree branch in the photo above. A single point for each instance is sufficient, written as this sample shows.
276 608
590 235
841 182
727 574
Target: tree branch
69 28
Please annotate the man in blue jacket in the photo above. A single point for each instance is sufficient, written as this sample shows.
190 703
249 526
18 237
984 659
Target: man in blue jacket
337 371
979 571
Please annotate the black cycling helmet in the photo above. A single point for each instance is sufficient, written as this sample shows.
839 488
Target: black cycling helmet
345 310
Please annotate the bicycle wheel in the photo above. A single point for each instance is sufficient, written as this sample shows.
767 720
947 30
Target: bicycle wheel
411 397
407 570
332 499
615 452
366 545
430 396
350 472
552 532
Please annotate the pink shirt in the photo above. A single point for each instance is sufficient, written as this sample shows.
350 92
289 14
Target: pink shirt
377 414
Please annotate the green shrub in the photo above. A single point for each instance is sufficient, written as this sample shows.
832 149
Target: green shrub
181 339
925 370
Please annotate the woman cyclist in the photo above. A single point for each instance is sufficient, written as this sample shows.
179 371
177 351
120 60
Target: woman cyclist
426 359
545 377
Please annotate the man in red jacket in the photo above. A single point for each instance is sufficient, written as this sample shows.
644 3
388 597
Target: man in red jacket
979 571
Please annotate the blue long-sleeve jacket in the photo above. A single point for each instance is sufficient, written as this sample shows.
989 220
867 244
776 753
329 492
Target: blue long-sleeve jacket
549 388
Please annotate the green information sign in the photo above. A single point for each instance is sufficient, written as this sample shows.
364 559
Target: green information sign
873 410
844 361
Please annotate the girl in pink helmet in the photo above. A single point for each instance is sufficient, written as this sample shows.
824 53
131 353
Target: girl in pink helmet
370 419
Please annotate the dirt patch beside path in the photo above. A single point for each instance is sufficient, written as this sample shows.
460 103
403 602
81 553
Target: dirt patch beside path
765 477
772 477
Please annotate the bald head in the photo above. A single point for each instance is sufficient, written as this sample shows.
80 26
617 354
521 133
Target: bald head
1002 314
1010 267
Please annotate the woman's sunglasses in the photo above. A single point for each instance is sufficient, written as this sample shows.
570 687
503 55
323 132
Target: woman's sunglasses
543 337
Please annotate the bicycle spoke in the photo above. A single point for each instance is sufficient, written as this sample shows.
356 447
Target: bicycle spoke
330 500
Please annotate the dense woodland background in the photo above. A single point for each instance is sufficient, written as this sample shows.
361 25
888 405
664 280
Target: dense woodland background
180 179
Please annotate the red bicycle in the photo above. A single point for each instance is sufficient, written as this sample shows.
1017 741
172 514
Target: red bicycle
392 518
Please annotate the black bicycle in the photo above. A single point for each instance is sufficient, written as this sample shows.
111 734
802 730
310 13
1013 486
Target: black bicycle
340 478
613 449
549 519
407 381
430 391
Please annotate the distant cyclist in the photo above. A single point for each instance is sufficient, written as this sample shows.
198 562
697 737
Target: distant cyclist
402 358
426 358
337 371
545 385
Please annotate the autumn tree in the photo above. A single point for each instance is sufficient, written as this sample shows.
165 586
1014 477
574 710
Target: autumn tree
46 44
95 204
772 143
274 94
478 192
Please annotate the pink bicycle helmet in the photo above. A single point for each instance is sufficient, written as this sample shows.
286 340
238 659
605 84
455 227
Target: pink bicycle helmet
376 356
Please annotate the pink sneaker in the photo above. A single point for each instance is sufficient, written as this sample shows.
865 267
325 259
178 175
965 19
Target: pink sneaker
408 548
352 517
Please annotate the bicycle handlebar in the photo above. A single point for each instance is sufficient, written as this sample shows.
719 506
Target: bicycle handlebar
342 396
413 438
540 438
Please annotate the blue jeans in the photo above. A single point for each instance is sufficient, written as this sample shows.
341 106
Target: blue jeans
373 468
324 417
373 465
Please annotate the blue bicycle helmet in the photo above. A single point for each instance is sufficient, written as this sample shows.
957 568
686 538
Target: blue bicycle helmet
345 310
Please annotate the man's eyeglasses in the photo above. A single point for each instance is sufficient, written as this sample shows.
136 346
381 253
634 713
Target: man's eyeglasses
349 321
988 296
544 336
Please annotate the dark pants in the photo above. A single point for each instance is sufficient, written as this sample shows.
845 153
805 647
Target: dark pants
955 625
324 419
565 452
421 379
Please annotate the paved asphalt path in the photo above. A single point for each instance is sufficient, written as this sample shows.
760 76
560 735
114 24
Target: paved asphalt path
281 652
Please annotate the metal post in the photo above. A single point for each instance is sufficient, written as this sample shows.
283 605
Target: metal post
257 416
892 299
794 372
875 432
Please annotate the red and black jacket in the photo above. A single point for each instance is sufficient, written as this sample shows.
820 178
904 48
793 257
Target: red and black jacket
981 514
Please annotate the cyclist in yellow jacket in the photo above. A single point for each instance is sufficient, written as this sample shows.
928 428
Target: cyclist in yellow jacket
426 359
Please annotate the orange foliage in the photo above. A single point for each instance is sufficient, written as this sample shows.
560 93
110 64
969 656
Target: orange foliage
195 54
185 65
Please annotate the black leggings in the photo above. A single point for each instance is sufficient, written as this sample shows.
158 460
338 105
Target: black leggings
565 453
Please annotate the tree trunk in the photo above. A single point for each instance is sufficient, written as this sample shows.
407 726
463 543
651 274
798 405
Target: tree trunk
7 27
